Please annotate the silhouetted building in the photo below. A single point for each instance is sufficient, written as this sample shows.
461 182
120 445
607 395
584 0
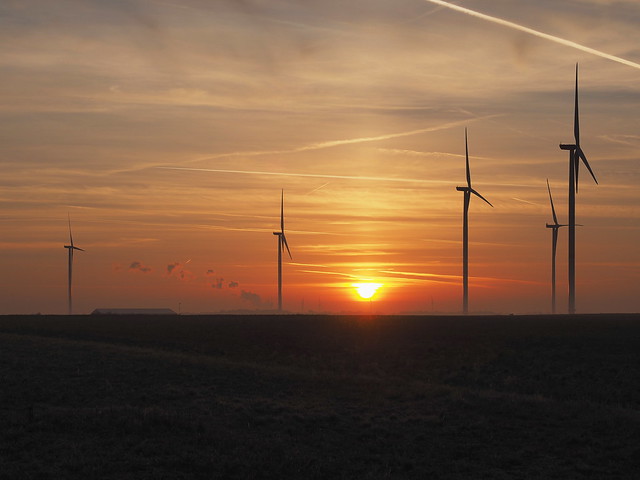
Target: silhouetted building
133 311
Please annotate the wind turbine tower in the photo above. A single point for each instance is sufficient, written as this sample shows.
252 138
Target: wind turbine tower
468 190
575 155
282 244
71 247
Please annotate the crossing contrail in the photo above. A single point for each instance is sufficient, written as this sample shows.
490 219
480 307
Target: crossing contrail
536 33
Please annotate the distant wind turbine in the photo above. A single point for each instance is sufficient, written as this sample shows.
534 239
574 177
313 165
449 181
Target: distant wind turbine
71 247
282 244
554 245
575 155
468 190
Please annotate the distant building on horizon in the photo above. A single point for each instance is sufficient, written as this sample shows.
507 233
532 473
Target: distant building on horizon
133 311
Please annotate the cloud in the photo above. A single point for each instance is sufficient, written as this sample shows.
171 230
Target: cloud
177 270
186 275
233 284
135 265
250 297
632 140
171 267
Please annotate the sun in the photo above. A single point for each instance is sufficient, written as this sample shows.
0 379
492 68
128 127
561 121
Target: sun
366 290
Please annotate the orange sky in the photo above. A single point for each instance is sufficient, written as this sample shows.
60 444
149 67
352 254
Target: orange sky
137 118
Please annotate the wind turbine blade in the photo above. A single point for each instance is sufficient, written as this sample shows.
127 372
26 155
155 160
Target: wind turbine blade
284 242
477 194
70 237
282 211
77 248
466 154
553 210
576 166
582 156
576 120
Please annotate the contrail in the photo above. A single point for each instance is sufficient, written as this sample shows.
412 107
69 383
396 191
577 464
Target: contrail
311 175
531 31
339 177
316 189
348 141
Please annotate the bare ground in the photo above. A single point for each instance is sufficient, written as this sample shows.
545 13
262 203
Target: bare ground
320 397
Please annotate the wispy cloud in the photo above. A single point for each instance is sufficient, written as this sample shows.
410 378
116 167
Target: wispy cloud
435 277
414 153
140 267
527 202
334 274
430 277
27 245
178 270
630 140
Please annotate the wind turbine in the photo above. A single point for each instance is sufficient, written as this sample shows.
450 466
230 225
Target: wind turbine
71 247
468 190
554 245
575 155
282 244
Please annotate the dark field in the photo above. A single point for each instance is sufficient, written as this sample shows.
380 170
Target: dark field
320 397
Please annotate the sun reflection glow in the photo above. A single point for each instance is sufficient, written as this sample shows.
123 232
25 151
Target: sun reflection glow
366 290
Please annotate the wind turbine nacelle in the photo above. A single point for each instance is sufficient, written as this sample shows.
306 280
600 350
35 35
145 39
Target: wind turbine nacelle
567 146
277 233
462 189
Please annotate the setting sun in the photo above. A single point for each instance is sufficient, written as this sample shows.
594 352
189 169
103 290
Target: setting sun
367 290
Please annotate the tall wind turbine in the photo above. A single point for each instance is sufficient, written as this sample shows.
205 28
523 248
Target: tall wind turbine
282 244
71 247
468 190
575 155
555 226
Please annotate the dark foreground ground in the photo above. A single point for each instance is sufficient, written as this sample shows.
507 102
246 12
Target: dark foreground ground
319 397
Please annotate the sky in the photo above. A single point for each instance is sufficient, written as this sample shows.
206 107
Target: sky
166 131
